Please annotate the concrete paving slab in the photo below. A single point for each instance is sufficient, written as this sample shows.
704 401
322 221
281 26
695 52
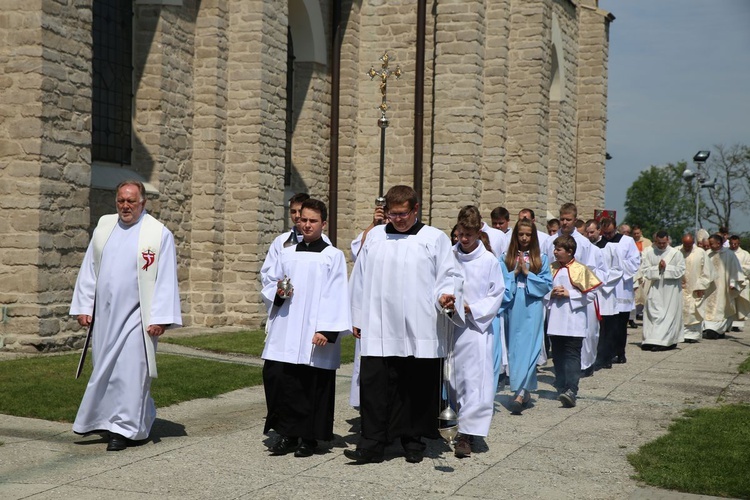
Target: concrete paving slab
214 448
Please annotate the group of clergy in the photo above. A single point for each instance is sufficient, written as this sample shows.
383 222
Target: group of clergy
407 276
715 286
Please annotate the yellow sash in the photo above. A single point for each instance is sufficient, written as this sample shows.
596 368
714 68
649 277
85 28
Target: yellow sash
581 276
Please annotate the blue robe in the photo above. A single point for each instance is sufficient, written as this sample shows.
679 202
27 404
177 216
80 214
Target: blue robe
525 323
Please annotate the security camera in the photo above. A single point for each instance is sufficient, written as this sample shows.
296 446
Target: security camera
688 175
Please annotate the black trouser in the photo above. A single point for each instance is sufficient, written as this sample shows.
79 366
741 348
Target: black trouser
605 351
566 357
620 338
399 397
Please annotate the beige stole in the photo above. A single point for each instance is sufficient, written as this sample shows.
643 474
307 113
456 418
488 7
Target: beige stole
149 251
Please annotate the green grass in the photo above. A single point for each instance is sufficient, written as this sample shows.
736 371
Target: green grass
745 366
245 342
44 387
707 452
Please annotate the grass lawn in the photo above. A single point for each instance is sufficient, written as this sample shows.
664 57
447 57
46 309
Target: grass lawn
44 387
707 452
245 342
745 366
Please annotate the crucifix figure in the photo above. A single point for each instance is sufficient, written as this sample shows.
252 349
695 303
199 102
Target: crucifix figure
384 74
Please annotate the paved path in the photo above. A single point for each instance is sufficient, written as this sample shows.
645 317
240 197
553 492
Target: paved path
214 448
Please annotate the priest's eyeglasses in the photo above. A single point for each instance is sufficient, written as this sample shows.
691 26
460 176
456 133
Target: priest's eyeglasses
399 215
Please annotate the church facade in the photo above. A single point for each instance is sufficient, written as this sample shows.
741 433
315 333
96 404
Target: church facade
226 108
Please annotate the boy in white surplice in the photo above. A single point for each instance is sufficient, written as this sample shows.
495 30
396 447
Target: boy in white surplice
473 382
302 350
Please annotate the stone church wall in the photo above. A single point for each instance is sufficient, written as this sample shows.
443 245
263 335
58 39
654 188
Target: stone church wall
209 133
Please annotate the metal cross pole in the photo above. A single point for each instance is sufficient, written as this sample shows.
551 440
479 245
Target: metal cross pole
384 74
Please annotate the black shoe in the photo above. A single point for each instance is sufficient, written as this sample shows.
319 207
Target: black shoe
599 366
710 335
721 336
647 347
568 399
631 324
306 448
735 328
284 445
117 442
620 360
691 341
364 456
588 372
413 456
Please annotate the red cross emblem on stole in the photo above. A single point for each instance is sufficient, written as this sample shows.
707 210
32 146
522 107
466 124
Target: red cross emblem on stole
149 257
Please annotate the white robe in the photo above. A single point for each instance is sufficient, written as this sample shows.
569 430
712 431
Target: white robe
472 377
319 303
720 302
284 240
742 304
568 316
590 343
698 277
630 259
394 289
662 313
117 397
499 241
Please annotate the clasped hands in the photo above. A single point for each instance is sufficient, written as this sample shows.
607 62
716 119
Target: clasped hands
521 266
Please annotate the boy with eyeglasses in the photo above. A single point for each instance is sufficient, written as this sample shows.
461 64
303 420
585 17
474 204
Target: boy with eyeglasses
404 276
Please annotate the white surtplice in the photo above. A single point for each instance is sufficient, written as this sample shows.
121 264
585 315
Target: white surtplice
698 277
720 302
662 314
472 381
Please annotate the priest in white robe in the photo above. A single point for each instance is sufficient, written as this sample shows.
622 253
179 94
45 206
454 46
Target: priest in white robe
742 303
720 303
663 268
127 293
403 277
698 277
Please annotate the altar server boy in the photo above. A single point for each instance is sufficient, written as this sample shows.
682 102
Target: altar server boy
472 380
302 350
572 284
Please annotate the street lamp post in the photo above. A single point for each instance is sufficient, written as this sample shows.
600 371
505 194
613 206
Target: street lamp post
699 159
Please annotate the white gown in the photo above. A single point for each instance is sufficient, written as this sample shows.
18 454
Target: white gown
472 377
662 313
421 267
320 303
117 397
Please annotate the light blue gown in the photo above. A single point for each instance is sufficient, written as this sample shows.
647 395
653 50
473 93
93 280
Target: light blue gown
525 322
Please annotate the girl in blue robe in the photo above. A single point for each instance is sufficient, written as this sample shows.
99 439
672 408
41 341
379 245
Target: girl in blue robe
527 278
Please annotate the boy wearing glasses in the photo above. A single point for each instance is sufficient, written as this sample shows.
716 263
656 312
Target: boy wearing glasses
403 277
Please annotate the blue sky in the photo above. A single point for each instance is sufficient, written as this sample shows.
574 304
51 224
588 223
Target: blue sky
679 82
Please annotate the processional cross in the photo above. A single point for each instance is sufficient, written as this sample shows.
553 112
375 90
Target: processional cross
383 74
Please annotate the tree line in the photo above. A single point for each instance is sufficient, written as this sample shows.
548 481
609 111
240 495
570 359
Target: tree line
662 198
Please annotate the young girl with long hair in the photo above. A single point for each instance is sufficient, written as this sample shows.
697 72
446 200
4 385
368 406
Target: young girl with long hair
527 277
